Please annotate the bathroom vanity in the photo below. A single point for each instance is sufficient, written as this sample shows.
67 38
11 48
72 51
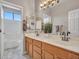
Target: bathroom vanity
52 47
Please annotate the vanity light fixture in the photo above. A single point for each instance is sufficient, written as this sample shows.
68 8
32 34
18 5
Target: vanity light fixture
47 3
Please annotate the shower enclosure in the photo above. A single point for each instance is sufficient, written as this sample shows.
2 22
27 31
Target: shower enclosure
11 34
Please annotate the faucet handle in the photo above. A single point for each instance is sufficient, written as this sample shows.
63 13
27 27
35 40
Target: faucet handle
68 33
0 30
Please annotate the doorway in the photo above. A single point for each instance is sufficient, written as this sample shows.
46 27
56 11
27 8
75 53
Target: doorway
11 27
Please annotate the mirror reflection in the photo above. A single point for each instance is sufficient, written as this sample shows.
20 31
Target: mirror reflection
47 24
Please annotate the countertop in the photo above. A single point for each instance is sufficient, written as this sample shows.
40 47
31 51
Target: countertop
72 44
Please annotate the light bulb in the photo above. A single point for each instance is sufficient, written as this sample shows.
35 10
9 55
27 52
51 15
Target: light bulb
53 1
41 5
45 2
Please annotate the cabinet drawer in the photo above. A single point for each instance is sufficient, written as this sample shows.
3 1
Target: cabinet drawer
57 51
48 56
62 53
36 55
49 48
73 56
37 49
37 43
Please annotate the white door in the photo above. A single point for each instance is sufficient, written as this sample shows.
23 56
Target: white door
12 28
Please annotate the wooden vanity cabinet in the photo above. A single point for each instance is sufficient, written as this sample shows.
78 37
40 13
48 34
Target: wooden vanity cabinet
29 46
41 50
53 52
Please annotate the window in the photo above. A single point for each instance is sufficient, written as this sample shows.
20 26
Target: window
8 15
17 17
12 16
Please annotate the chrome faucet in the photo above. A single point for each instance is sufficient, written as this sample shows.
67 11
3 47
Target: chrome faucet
36 32
65 36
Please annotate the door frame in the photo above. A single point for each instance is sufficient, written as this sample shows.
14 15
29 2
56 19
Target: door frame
13 6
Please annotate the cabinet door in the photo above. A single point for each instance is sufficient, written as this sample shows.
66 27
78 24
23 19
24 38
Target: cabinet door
30 49
43 54
48 56
26 45
36 55
73 56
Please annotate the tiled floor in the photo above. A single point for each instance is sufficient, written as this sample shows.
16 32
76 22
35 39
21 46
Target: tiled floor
14 54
